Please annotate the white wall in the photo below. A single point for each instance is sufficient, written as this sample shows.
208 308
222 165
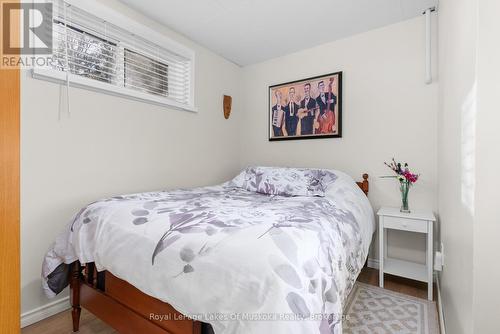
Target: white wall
387 111
469 159
111 145
487 211
457 74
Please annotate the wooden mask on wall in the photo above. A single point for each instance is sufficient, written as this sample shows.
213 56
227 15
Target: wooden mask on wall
227 106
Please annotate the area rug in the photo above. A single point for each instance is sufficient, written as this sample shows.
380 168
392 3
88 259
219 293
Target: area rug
373 310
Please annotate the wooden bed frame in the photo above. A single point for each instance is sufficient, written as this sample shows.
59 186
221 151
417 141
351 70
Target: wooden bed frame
124 307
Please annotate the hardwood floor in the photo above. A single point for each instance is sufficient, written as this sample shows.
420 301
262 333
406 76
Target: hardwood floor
397 284
61 323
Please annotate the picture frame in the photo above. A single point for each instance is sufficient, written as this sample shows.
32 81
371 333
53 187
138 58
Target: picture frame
309 108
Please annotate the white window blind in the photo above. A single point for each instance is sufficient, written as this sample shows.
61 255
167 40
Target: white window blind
90 47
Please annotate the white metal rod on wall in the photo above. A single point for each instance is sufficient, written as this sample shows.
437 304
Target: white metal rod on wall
428 45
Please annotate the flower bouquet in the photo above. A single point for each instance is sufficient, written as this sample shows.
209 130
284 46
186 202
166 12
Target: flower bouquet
406 180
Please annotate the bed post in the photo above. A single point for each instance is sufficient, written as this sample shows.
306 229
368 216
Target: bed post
364 185
75 294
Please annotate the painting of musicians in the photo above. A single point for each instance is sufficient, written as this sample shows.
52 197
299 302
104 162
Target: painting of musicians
307 108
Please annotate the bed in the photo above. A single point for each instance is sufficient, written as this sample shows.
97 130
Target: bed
275 250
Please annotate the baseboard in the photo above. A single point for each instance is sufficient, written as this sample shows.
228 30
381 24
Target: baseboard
440 309
44 311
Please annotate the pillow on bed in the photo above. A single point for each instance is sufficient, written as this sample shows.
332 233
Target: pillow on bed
285 181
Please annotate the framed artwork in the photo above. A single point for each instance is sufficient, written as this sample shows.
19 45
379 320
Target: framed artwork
307 108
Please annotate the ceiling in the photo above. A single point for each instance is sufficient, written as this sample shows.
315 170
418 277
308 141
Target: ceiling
250 31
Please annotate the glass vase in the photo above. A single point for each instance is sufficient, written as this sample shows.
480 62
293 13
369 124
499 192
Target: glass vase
404 188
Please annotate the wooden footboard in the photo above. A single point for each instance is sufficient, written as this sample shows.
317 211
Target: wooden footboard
122 306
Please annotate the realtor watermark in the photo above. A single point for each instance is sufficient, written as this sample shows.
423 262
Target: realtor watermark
260 316
27 35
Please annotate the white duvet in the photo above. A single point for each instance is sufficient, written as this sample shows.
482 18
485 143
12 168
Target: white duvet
243 261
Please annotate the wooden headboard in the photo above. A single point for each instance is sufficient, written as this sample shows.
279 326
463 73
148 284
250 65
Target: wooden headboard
364 185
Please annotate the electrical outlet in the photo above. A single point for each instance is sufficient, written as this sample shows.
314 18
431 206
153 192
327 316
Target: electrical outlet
439 259
442 254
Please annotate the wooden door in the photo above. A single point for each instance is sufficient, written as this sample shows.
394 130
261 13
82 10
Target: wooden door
9 201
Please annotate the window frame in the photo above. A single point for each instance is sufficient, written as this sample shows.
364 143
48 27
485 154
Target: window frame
138 29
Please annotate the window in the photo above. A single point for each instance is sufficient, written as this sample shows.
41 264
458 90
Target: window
145 74
87 55
91 51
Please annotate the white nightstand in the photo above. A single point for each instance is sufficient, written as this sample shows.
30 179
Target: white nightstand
417 221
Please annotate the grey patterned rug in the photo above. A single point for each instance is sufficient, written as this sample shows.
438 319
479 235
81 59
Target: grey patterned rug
372 310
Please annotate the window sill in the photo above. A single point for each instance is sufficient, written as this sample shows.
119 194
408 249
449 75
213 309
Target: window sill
81 82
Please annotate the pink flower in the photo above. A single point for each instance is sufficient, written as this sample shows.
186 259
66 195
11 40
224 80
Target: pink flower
402 173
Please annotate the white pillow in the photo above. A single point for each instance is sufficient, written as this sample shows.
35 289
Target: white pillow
285 181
